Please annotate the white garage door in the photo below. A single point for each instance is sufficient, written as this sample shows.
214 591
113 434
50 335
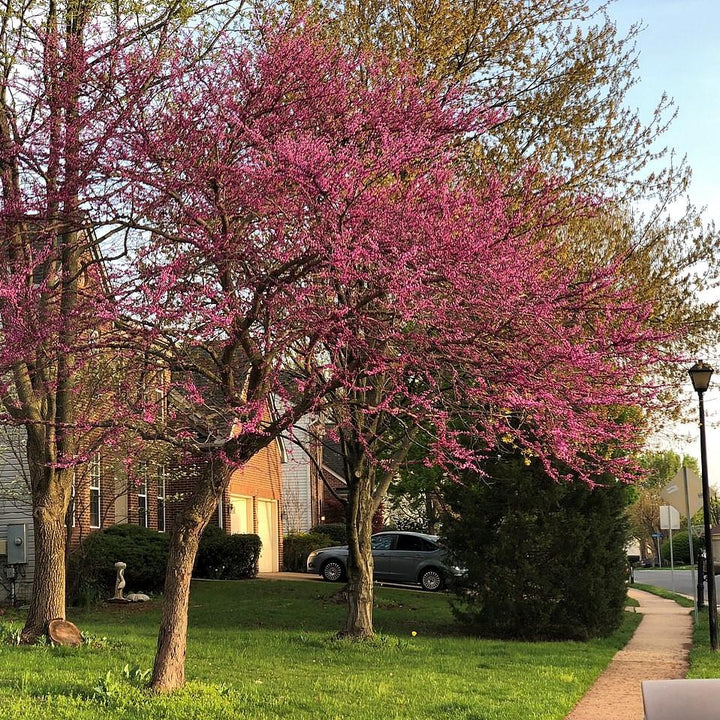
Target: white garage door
268 532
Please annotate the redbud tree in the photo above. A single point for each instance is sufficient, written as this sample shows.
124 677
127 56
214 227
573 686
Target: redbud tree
65 93
309 230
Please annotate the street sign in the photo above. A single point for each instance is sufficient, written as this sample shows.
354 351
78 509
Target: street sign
669 518
674 492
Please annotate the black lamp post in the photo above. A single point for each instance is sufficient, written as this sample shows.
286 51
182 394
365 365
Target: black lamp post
700 375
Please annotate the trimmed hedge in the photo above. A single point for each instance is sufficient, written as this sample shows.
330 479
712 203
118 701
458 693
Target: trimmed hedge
91 573
337 532
297 546
227 557
681 548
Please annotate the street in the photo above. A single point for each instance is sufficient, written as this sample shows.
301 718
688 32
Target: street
664 579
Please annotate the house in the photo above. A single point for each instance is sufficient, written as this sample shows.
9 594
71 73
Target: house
314 486
151 495
250 504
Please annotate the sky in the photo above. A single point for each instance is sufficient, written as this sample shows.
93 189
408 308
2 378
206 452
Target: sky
679 54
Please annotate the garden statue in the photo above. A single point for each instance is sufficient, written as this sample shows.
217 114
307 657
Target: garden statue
119 581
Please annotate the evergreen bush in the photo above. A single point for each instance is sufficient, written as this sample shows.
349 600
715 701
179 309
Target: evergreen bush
297 546
545 559
681 548
91 567
227 557
335 531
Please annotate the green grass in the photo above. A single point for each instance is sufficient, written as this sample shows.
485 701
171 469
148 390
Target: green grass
631 602
660 592
264 650
703 662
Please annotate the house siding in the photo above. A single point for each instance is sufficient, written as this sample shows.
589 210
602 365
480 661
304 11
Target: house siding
15 508
298 512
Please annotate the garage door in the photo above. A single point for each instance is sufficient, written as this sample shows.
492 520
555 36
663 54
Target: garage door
268 532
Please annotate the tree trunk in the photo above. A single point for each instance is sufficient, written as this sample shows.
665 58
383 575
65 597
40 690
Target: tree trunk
48 594
169 667
360 590
50 497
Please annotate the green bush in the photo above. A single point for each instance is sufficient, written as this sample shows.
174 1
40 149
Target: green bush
91 568
681 548
545 558
297 546
335 531
227 557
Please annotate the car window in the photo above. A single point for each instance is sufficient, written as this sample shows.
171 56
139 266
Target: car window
414 543
382 542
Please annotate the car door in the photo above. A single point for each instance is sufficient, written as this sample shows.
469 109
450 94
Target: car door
410 553
382 546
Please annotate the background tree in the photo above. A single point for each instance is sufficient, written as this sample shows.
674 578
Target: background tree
660 466
560 73
64 91
53 118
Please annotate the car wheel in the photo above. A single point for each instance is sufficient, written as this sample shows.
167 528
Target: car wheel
333 571
431 579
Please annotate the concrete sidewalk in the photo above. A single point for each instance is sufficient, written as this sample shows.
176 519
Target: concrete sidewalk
657 651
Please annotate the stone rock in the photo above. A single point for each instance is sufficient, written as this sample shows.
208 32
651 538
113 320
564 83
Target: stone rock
137 597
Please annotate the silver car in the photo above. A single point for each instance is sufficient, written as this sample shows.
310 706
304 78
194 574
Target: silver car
399 557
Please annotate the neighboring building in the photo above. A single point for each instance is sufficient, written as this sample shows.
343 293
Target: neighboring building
15 509
314 486
104 495
250 504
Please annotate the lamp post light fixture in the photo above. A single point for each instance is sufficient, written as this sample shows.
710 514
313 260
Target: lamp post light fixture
700 374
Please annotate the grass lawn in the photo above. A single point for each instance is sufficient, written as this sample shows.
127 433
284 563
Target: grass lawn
703 662
263 649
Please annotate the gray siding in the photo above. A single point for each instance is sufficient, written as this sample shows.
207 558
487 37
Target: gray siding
297 492
15 508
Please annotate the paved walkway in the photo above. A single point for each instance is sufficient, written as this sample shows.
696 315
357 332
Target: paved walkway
657 651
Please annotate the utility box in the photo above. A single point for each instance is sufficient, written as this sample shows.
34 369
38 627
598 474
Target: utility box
17 544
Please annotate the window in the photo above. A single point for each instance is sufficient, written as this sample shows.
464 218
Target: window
160 398
142 497
161 499
95 471
414 544
382 542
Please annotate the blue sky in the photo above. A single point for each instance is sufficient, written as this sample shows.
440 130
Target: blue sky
680 55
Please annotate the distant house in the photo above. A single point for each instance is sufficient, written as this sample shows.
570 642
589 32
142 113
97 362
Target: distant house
103 495
314 486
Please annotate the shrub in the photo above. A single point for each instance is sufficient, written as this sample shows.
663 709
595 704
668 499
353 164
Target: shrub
681 548
335 531
545 559
91 571
297 546
226 557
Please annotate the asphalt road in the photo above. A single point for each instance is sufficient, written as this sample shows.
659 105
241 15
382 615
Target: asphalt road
664 579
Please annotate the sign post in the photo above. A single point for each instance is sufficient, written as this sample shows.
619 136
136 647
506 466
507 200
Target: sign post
670 520
687 506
